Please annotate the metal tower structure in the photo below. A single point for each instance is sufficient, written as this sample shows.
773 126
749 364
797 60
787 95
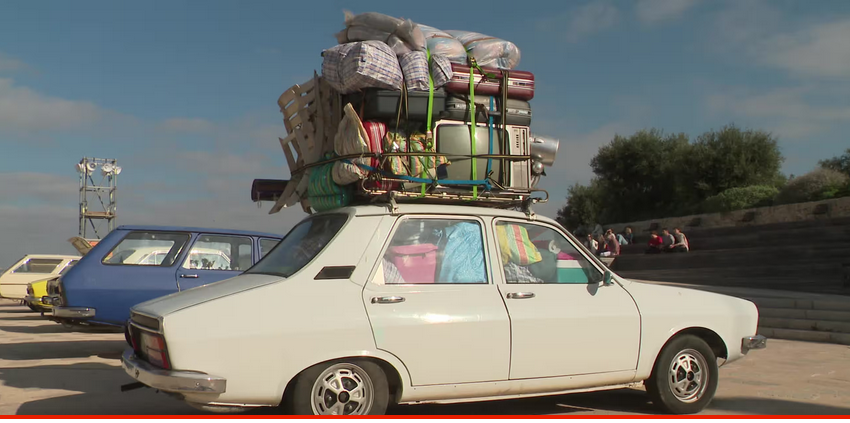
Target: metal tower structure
97 195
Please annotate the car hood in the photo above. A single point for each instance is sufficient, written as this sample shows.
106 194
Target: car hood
168 304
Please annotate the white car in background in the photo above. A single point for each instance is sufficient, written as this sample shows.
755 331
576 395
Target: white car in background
426 303
31 268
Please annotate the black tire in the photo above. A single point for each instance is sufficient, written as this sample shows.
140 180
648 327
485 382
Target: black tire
361 373
690 396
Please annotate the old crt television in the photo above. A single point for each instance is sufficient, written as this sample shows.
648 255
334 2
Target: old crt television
453 137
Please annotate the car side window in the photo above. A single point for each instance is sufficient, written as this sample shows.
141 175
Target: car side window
36 265
147 248
531 253
434 251
219 252
266 245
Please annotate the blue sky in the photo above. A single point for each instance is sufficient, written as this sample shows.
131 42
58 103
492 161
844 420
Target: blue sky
183 93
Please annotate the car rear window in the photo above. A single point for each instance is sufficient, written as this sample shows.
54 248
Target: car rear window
303 243
148 248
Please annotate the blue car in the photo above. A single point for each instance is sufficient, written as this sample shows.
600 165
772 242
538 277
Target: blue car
134 264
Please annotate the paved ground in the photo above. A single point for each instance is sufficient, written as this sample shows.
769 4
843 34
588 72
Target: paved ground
46 369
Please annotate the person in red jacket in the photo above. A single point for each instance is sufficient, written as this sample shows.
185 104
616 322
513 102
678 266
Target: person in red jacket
656 244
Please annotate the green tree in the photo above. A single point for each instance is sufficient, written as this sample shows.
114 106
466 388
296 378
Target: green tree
731 158
838 163
639 174
741 198
583 206
819 184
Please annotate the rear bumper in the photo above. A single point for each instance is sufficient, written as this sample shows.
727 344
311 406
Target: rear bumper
171 380
756 342
74 312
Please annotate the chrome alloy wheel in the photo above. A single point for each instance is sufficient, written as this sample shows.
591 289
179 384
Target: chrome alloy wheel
688 376
342 389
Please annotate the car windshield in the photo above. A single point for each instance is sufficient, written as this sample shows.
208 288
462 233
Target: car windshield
303 243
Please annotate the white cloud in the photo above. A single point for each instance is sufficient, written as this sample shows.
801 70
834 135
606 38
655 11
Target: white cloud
792 113
23 110
761 33
653 11
821 50
10 63
593 17
195 125
34 186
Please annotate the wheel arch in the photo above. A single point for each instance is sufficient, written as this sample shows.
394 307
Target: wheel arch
395 381
715 341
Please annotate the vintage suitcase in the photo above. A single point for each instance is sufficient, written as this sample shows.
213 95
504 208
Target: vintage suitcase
376 131
383 105
453 137
520 83
457 108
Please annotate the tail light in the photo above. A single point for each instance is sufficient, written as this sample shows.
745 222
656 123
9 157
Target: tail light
153 349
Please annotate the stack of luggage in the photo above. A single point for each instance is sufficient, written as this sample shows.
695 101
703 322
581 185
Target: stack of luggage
410 96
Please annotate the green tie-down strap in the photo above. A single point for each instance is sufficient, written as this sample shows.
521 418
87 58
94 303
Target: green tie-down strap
473 129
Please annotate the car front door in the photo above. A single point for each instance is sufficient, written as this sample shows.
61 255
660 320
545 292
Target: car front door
215 257
432 303
564 321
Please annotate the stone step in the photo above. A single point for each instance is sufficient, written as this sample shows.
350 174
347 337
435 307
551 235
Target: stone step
801 324
833 257
801 304
805 335
814 315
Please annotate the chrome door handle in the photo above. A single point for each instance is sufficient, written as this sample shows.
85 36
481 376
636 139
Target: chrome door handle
189 276
387 300
520 295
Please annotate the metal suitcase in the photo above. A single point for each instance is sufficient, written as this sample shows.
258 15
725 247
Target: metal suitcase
457 108
520 83
383 105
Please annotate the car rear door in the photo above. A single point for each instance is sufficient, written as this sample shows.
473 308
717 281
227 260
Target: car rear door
432 303
140 267
215 257
564 321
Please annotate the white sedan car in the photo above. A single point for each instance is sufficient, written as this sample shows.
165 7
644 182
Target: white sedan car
367 306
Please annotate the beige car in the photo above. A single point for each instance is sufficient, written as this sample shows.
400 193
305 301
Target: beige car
31 268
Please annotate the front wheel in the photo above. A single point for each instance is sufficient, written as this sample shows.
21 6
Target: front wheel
342 387
684 378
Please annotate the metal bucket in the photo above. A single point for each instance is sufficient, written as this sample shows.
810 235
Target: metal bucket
544 149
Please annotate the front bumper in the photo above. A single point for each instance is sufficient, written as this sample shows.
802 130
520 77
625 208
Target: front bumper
171 380
36 301
756 342
74 312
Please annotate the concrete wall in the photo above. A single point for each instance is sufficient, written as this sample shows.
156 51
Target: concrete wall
837 207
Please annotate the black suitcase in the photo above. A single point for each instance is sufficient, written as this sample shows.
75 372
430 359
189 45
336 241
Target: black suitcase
457 108
383 105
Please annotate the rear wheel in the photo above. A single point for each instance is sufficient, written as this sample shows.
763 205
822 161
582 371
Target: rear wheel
684 378
342 387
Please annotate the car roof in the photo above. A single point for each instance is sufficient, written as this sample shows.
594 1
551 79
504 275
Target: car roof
196 229
406 208
51 256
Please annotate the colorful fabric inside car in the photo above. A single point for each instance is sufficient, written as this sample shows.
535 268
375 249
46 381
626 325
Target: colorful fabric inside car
515 245
463 255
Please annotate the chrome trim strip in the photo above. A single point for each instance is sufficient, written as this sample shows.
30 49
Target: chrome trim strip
139 325
171 380
74 312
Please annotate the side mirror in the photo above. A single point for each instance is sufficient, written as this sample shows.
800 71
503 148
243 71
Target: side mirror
607 278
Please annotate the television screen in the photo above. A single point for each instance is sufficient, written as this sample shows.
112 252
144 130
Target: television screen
454 138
